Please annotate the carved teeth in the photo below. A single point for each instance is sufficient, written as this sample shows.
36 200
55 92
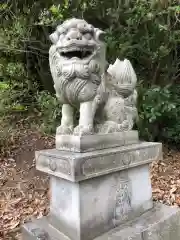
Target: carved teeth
75 49
83 54
76 52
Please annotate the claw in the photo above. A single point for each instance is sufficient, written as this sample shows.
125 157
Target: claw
83 130
64 130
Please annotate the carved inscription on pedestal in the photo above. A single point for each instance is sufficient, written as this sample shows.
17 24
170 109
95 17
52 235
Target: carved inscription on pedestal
117 160
123 202
40 234
63 165
54 164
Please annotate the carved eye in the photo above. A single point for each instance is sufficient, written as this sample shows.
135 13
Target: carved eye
81 26
88 36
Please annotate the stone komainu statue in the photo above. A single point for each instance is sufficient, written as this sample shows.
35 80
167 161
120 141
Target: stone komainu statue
106 98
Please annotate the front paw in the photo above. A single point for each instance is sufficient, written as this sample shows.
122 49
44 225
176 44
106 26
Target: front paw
83 130
64 130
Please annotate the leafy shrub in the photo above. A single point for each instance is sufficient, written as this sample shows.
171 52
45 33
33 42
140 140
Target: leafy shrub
16 95
50 111
145 32
171 131
158 114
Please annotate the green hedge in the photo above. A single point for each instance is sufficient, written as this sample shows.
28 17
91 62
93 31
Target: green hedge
145 32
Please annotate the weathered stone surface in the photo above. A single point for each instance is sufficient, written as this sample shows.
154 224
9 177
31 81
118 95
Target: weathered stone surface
93 192
80 166
89 143
106 99
86 209
41 230
160 223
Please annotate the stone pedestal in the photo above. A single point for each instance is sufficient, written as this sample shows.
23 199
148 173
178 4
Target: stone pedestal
90 143
97 191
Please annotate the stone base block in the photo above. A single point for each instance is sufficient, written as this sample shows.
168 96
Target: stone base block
160 223
41 230
96 191
87 209
77 167
89 143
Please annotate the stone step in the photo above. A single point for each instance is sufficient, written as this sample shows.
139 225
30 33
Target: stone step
41 230
160 223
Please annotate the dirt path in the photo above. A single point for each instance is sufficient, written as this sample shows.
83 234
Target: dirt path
24 191
165 177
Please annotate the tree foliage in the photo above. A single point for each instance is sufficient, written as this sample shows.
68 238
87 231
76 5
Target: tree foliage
145 32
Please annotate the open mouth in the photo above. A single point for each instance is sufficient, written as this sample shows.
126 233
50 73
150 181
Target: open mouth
76 53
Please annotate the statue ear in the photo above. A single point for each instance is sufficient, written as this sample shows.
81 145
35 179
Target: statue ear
54 37
99 34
